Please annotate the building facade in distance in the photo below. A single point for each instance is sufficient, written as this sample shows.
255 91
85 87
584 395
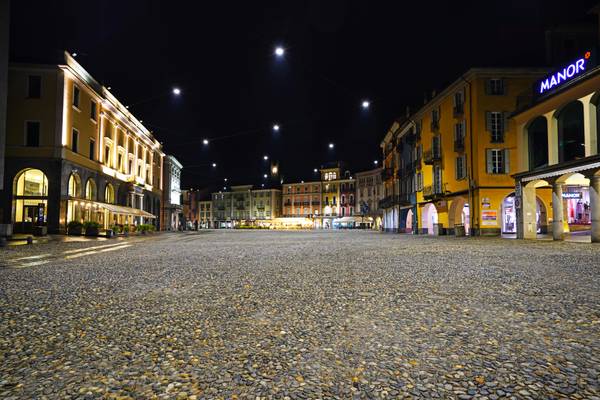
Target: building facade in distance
245 206
369 192
75 153
206 216
172 212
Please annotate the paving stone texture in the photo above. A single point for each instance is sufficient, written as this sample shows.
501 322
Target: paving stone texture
300 315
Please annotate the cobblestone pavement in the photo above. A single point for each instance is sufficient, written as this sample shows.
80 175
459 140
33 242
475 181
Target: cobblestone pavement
300 315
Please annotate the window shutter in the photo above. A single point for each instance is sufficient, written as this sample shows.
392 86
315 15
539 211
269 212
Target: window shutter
456 168
488 121
463 160
488 86
439 113
505 116
488 159
504 86
464 128
506 161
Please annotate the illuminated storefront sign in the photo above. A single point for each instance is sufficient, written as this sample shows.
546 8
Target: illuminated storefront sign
565 74
571 195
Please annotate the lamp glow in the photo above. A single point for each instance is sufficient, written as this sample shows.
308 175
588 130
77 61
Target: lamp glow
176 91
365 104
279 51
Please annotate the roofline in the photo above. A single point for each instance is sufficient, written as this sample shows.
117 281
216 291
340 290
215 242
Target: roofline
476 72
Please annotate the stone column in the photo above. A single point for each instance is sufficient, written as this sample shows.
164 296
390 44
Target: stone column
557 211
595 207
528 209
552 138
590 133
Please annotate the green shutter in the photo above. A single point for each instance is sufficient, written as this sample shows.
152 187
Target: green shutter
488 121
488 160
506 161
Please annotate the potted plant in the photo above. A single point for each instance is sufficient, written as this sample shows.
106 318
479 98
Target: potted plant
126 230
92 228
74 228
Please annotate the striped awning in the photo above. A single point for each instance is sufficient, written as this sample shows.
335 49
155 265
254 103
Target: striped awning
126 210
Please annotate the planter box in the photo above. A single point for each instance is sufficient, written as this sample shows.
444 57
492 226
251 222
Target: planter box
92 231
40 230
75 231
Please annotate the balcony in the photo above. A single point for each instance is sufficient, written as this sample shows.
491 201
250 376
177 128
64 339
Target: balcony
458 110
430 156
459 144
432 192
388 201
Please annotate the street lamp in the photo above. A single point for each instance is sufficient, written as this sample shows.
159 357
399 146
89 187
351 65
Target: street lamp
365 104
265 176
276 127
225 179
331 145
315 170
375 162
176 91
279 51
265 158
205 142
214 165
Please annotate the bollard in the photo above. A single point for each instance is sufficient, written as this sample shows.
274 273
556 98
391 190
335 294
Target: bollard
29 239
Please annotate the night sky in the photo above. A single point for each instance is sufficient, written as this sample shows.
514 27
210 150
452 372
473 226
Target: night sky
337 53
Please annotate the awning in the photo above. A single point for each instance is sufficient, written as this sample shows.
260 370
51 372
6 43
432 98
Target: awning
126 210
358 220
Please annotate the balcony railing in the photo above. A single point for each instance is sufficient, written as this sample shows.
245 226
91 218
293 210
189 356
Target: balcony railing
388 201
459 144
432 191
432 155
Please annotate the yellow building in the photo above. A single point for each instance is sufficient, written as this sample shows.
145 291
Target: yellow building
75 153
465 136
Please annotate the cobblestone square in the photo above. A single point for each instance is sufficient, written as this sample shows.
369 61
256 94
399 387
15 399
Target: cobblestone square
300 315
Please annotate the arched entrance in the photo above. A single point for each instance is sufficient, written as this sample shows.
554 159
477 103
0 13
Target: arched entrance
30 200
536 194
571 141
509 215
74 208
408 227
430 218
459 214
577 213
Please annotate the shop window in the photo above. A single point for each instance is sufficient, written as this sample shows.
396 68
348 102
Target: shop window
30 196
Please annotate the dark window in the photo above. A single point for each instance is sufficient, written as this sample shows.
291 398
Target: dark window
496 86
571 141
34 87
538 143
93 106
92 149
74 140
32 135
76 95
